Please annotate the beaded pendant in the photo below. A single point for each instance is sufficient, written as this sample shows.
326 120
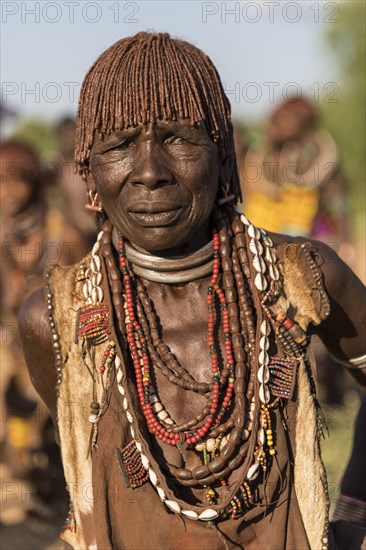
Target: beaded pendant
133 471
92 323
283 376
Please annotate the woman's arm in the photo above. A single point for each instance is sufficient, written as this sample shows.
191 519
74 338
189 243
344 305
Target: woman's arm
36 338
344 331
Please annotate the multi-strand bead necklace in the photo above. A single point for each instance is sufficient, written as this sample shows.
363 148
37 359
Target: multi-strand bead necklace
234 427
222 429
143 352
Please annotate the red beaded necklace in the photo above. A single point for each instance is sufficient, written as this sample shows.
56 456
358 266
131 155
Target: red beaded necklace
141 359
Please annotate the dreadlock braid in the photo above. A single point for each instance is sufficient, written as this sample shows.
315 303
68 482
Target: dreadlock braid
150 77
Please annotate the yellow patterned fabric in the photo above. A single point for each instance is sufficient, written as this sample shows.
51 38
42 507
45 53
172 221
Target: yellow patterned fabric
292 212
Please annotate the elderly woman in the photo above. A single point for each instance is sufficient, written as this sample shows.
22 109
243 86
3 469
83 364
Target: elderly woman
186 402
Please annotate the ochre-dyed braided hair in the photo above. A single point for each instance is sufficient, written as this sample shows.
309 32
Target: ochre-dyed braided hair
150 77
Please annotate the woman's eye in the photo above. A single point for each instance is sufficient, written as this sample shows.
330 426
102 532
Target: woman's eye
175 140
123 146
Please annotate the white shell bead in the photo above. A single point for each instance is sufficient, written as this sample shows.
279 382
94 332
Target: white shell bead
255 247
264 394
253 471
95 248
264 343
119 376
265 328
244 220
168 421
157 407
153 477
145 461
87 287
263 374
125 404
208 514
253 232
100 235
259 264
129 417
138 446
89 301
210 444
274 273
261 436
117 361
97 294
260 282
251 415
121 388
267 240
132 432
199 447
263 358
97 279
95 264
161 493
191 514
270 255
92 418
162 415
174 506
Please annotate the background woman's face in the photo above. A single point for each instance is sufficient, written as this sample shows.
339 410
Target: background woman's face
158 182
15 194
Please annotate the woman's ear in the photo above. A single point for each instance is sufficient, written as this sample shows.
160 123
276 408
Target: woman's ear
90 183
224 193
93 203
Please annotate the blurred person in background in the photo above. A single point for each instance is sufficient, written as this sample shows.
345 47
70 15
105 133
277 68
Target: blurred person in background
70 184
293 185
32 237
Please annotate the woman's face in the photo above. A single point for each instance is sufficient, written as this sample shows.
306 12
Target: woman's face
158 183
15 194
285 126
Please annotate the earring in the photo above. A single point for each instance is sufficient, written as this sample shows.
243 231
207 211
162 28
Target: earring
227 197
93 203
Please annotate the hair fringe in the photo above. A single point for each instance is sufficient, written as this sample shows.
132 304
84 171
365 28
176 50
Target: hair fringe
148 77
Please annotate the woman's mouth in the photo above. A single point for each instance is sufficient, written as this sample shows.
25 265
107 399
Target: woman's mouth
156 219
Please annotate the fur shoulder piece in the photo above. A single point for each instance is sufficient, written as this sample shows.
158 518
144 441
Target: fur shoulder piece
303 285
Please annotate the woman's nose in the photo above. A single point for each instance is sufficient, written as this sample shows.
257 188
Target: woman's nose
150 170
